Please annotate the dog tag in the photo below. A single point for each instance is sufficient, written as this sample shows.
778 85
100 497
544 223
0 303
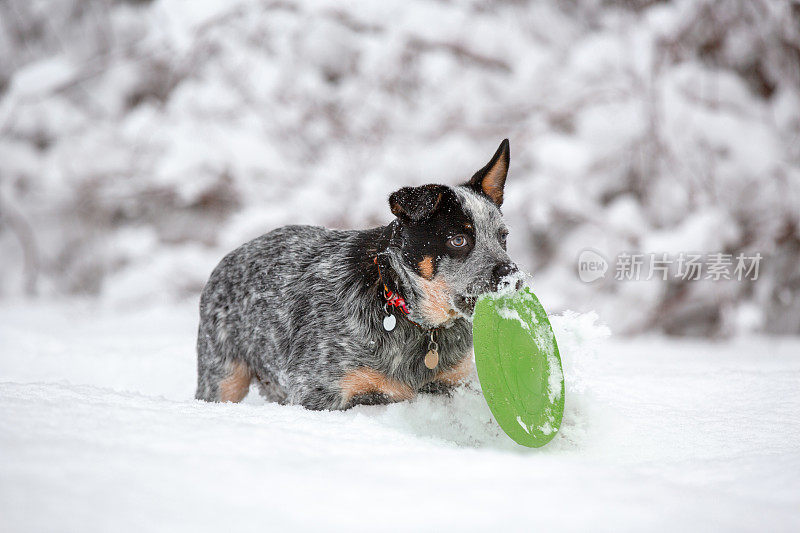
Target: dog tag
432 359
389 322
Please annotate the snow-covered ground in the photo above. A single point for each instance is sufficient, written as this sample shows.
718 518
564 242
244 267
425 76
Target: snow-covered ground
99 432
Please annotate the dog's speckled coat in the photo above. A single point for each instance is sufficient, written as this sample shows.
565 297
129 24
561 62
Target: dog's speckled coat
300 309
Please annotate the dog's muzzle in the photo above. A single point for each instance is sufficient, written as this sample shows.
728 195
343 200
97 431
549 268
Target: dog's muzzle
465 304
503 276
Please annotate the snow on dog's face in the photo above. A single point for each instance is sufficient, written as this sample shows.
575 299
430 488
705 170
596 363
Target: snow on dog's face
453 242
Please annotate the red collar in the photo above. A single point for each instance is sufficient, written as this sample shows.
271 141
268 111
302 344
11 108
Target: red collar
392 298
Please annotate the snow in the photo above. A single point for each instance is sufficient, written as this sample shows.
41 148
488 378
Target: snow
99 431
509 313
142 141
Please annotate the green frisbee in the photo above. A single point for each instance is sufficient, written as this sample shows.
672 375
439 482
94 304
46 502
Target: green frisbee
519 366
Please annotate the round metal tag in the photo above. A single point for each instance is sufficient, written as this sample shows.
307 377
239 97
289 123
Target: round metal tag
389 322
432 359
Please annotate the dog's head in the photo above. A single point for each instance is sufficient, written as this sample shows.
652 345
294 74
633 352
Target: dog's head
450 243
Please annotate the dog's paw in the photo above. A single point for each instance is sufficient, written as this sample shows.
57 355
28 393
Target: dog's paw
369 398
437 387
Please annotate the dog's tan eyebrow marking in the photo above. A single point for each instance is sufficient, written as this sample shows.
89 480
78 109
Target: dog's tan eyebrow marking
467 226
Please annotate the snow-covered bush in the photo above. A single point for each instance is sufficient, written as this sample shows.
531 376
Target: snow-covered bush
139 141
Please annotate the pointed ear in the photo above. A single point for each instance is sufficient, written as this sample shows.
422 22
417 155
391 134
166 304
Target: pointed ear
491 179
416 203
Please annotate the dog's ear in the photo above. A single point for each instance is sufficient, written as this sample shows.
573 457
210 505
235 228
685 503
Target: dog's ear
491 179
416 203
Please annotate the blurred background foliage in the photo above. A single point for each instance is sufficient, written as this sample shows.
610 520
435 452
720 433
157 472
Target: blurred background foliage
142 140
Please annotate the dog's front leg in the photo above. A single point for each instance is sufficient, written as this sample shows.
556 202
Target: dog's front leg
437 387
369 398
367 386
445 381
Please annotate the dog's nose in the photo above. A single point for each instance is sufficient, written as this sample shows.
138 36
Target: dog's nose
502 270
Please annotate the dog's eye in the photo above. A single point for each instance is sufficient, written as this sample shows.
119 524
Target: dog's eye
459 241
503 237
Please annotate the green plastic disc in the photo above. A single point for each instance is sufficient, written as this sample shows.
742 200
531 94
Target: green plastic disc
519 366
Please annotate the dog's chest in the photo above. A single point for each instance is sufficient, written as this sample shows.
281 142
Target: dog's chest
404 351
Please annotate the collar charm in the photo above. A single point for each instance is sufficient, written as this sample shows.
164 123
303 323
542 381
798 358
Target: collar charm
392 300
432 357
389 321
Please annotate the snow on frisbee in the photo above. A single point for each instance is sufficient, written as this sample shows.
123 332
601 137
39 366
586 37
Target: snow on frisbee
519 366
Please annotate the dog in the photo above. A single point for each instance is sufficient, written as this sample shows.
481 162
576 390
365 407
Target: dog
329 319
